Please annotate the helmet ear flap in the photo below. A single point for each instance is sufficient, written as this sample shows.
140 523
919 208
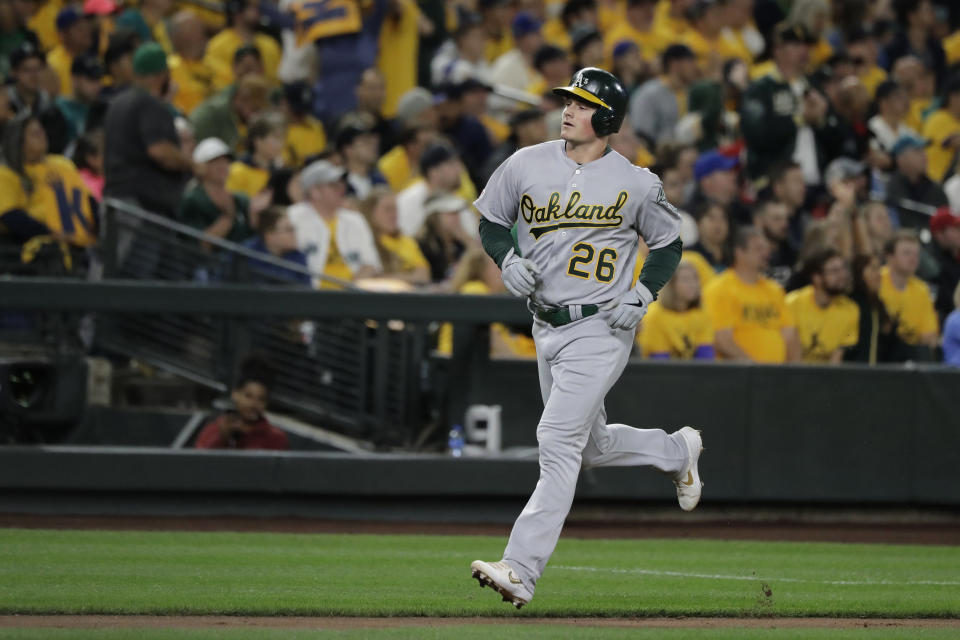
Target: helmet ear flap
603 121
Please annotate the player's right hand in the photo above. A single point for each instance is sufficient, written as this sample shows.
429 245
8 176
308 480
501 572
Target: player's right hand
519 274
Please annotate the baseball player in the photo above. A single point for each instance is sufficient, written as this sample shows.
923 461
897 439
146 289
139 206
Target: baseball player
579 208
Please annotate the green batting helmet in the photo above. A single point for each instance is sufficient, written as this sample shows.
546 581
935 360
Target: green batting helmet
601 88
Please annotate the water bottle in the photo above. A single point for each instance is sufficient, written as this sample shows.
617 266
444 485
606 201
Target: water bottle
455 442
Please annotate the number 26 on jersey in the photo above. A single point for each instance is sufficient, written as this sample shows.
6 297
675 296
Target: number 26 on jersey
582 259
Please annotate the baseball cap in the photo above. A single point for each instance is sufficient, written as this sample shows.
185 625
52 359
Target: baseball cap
210 149
712 161
623 47
793 33
413 103
99 7
149 59
443 202
907 142
67 17
434 155
943 219
469 84
524 23
843 168
23 53
88 66
321 172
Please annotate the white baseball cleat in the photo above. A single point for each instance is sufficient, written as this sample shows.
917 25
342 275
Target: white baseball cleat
689 485
501 577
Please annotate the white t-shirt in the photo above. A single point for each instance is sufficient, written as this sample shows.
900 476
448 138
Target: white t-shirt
354 238
411 214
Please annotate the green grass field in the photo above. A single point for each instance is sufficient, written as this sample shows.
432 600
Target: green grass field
131 572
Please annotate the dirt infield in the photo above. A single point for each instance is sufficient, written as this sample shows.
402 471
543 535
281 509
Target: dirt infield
888 533
236 622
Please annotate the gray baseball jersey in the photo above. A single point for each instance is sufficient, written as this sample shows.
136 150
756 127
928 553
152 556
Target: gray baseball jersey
579 223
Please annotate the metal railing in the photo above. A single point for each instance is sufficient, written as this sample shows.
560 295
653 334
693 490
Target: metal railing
331 367
320 367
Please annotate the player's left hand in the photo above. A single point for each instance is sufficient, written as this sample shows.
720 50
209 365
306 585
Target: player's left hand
630 308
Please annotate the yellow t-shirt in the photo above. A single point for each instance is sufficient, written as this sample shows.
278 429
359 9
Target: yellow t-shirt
518 344
673 334
755 312
496 47
397 61
823 331
304 139
336 266
246 179
161 36
651 43
872 77
406 250
60 61
220 52
762 69
212 18
555 33
705 271
914 118
59 199
194 80
672 29
951 47
44 24
717 49
497 130
938 127
610 14
395 167
911 309
820 53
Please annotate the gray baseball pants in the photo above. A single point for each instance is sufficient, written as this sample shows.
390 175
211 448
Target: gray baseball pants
578 363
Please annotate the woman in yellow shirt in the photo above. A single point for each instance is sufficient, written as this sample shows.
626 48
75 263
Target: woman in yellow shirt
677 327
400 254
42 196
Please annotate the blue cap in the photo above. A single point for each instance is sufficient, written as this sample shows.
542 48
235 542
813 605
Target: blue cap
711 161
525 23
67 17
904 143
623 47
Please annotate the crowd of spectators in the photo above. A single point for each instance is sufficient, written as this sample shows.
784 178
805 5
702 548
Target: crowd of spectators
811 147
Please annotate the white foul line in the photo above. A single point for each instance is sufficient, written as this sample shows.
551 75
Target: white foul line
721 576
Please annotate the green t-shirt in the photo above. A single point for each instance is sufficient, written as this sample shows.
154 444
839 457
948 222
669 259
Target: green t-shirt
198 211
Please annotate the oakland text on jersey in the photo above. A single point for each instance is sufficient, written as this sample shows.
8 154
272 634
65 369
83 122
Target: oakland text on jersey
584 215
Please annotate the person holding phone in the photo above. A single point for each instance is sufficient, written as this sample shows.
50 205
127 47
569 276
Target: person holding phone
244 425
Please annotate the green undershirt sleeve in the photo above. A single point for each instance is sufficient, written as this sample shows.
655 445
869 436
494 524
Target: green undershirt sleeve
497 241
659 266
